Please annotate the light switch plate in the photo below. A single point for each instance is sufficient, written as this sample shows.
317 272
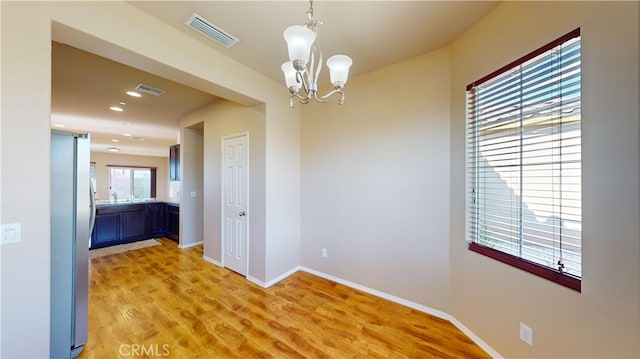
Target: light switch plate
11 233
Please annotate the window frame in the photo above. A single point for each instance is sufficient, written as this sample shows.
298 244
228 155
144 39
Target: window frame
152 179
555 275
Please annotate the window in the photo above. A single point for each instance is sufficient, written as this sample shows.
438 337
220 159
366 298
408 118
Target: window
524 192
132 183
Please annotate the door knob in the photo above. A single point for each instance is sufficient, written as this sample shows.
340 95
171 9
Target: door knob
242 214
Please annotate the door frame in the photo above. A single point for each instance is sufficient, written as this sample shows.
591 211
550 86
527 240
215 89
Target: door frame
222 196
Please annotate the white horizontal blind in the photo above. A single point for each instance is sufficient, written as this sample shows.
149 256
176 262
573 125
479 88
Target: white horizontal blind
524 158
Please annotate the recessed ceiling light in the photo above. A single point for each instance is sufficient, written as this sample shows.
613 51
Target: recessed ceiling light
114 140
58 125
116 108
133 94
113 149
122 103
126 135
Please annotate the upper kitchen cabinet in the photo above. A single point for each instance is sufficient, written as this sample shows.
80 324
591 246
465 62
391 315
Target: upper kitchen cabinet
174 163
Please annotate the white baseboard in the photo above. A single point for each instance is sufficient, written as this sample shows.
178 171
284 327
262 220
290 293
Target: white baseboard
211 260
189 245
423 308
476 339
377 293
257 281
274 280
282 276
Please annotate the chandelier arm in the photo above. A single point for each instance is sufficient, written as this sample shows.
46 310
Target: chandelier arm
319 99
302 100
311 67
336 91
341 99
319 67
300 79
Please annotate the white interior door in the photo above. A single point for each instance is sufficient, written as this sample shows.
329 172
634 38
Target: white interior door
235 189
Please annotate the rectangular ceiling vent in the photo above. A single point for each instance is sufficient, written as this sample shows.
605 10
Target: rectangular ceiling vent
149 90
211 31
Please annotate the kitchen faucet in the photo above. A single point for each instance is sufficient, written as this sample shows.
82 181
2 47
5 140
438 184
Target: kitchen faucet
115 196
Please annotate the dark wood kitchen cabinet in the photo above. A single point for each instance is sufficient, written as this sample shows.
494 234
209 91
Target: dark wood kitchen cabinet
106 230
155 219
172 229
126 223
134 224
174 163
118 224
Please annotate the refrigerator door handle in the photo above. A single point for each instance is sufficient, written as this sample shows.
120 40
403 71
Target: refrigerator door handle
92 205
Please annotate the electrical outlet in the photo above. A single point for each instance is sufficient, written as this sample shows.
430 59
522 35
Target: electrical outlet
526 334
324 253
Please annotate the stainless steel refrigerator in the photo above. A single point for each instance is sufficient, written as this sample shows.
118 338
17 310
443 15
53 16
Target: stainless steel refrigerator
72 217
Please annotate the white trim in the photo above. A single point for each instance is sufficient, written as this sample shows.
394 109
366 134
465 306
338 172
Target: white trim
274 280
282 276
211 260
185 246
423 308
377 293
407 303
476 339
256 281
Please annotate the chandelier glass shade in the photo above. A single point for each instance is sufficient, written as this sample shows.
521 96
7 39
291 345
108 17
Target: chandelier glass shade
302 70
299 40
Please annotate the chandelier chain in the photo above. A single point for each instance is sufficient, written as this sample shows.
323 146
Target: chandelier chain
312 24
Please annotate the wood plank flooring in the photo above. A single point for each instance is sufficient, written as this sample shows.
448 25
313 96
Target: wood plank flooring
162 301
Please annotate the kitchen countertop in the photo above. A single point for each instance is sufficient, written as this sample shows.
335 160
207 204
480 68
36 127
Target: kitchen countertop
110 203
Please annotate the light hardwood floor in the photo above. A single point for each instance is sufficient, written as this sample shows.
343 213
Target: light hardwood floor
166 302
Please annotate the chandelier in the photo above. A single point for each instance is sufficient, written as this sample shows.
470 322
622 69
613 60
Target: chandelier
302 70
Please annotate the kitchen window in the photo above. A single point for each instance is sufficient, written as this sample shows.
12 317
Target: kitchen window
524 196
127 183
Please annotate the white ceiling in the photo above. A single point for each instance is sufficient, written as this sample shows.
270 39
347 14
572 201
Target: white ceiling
373 33
85 85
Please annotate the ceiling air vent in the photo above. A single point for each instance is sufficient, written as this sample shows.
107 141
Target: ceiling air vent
149 90
211 31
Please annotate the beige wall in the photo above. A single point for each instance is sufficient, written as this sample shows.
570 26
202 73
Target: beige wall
191 186
361 199
382 177
103 159
224 118
491 298
112 30
375 182
25 140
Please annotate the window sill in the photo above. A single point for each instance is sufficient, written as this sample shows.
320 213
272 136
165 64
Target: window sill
533 268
